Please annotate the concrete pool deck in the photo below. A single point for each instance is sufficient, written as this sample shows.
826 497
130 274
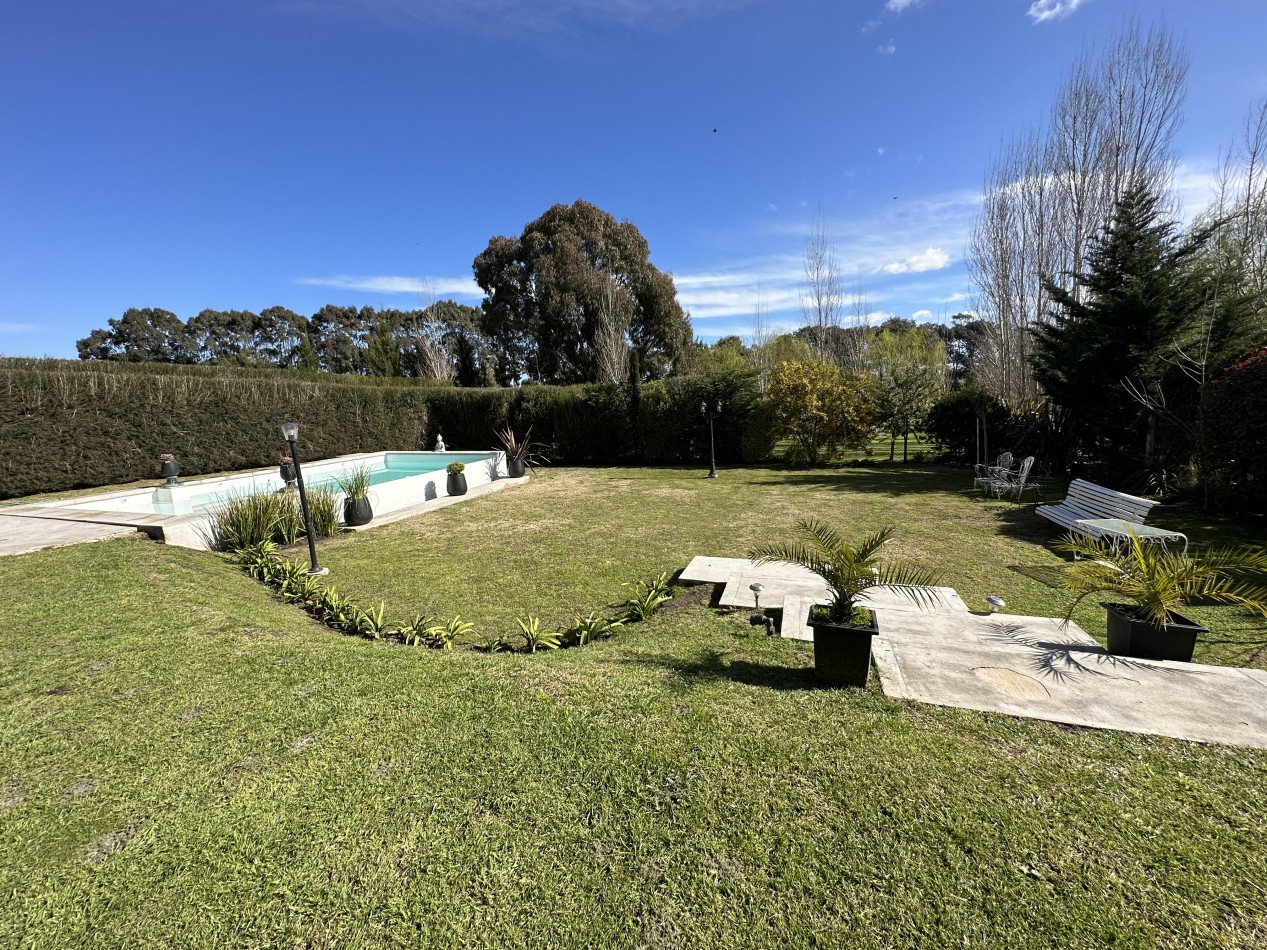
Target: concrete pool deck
28 528
1035 667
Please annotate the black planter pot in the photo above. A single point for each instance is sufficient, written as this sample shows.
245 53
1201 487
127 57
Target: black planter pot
457 484
842 652
287 473
169 469
515 468
1130 636
357 511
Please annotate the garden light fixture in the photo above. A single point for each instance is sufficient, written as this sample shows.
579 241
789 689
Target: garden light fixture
712 455
290 432
756 594
996 603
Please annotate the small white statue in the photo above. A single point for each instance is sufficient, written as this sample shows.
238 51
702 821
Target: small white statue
439 442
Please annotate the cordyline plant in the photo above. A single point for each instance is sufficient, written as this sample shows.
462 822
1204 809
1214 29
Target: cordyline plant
1159 582
848 570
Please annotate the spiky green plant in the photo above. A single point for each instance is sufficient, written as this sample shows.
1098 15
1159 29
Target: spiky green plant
848 570
648 597
241 521
590 627
289 520
370 622
414 633
534 637
1158 581
323 511
356 483
443 634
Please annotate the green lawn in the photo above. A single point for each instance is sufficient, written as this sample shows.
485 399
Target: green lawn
185 761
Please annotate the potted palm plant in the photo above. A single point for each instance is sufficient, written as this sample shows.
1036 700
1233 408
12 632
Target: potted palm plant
1157 582
521 455
355 486
456 482
842 629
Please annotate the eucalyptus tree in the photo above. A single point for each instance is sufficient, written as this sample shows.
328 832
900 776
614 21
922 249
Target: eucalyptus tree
548 294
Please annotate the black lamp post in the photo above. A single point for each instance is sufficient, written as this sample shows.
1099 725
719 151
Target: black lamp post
712 414
290 432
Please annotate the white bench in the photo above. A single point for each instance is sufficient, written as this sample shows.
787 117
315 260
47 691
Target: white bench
1086 501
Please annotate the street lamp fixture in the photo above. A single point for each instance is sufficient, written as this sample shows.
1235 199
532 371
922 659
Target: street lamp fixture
712 413
290 432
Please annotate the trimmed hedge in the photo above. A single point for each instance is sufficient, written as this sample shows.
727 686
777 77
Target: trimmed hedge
66 424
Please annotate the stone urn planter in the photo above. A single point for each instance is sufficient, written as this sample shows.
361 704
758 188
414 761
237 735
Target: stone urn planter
168 468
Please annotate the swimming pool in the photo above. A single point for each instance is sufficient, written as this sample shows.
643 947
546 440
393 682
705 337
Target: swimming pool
180 514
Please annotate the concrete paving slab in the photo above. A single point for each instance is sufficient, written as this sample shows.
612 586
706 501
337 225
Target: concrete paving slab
24 535
1038 668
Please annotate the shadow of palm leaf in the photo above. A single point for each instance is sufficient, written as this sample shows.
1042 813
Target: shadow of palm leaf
1064 661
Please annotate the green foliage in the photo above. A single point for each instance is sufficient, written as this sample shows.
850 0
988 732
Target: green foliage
1159 581
819 409
909 370
1117 334
414 633
520 450
356 483
534 637
93 423
590 627
1236 433
455 468
848 570
244 521
443 634
647 598
548 291
87 424
969 424
323 512
370 622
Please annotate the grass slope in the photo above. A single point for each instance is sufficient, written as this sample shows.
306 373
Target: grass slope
186 762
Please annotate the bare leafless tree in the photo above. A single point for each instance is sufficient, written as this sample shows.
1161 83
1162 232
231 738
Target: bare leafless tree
759 354
611 332
1054 187
434 361
821 299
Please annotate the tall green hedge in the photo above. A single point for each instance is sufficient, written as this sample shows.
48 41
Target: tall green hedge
66 424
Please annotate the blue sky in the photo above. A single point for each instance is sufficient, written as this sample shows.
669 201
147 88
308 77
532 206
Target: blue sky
237 154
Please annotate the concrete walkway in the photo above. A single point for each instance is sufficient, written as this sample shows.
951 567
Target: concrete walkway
1035 667
21 535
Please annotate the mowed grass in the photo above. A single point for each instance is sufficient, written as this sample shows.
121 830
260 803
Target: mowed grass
185 761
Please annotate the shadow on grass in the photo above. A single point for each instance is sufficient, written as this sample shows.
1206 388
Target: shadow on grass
894 480
1048 575
712 665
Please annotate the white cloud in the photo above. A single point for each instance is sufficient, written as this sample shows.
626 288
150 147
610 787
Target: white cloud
869 26
922 315
772 207
931 258
1043 10
880 151
389 284
897 6
6 327
886 49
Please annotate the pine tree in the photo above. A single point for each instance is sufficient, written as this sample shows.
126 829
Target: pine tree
1117 332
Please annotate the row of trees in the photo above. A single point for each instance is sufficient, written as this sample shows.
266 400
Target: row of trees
572 299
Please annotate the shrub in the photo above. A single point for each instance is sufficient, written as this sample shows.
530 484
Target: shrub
819 409
954 424
323 511
1236 433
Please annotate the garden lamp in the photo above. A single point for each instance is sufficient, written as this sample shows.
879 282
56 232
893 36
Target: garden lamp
711 414
290 432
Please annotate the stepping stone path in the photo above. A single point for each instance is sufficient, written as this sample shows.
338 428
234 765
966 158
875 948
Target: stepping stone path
1036 667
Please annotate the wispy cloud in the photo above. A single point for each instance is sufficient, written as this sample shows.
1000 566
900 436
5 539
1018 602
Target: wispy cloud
7 327
869 27
922 315
887 49
931 258
1043 10
392 284
897 6
522 18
